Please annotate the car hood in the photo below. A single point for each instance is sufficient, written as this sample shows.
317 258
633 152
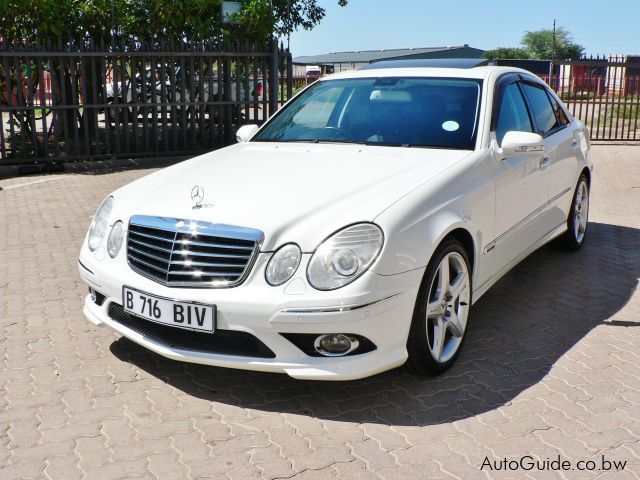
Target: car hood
297 193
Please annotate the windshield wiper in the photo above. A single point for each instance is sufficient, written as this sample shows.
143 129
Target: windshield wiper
309 140
413 145
348 142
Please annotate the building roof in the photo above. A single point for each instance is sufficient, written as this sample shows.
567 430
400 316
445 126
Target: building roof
367 56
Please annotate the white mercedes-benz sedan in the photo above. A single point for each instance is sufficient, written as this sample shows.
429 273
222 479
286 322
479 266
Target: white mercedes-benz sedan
352 232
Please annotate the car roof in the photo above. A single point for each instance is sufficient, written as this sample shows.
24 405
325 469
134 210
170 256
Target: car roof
401 69
428 62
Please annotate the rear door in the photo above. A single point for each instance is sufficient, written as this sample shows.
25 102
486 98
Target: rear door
560 145
563 150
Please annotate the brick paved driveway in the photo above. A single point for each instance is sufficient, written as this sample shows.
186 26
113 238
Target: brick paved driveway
550 367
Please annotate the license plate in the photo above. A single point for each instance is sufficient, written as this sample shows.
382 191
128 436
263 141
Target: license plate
187 315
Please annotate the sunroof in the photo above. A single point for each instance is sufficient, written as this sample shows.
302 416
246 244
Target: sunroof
430 62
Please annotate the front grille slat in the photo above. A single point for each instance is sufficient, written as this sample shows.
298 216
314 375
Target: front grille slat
147 254
194 243
152 237
204 254
189 263
204 274
147 264
212 283
188 253
148 245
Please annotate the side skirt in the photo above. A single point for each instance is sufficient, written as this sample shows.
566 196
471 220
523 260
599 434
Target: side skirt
482 289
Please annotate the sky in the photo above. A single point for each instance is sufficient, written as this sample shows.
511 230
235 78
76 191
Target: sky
602 27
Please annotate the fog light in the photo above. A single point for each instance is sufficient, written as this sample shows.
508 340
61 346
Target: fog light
335 345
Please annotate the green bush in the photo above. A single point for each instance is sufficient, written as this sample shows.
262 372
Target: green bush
576 96
626 111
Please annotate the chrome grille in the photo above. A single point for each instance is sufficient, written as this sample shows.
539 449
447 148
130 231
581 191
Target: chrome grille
189 253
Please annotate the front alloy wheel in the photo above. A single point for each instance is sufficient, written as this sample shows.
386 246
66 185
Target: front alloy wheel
442 310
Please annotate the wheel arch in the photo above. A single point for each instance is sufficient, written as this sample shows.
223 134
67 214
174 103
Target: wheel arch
466 239
587 173
458 229
417 341
413 247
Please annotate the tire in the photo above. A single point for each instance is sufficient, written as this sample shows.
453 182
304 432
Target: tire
441 311
578 219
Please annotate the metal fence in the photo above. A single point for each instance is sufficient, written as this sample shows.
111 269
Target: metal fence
65 101
68 101
604 93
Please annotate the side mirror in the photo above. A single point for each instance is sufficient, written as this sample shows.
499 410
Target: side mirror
245 133
517 143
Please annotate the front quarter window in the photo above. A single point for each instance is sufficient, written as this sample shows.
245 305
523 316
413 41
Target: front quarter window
389 111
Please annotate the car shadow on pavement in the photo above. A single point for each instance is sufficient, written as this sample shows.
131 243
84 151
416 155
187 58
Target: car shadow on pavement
518 330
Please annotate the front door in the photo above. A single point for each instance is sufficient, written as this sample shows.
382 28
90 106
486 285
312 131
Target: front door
521 186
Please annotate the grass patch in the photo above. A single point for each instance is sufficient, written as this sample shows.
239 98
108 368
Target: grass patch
626 111
577 96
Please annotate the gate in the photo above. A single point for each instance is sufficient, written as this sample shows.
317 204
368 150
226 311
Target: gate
68 101
602 93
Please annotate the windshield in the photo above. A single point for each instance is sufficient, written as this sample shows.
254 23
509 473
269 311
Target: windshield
416 112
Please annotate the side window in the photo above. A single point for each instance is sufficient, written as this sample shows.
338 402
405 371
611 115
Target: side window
513 113
541 108
559 111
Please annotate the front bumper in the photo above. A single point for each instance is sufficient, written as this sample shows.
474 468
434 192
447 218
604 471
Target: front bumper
374 306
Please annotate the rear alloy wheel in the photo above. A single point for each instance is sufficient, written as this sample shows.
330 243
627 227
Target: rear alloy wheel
442 311
578 216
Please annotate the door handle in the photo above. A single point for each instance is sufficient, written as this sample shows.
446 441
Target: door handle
574 145
544 163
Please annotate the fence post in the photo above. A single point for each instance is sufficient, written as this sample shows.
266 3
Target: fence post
226 97
273 78
289 75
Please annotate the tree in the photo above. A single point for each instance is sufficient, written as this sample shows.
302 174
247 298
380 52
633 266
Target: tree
506 52
154 20
541 44
42 20
72 22
81 23
261 18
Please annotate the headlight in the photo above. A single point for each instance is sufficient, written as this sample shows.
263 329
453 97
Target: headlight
100 223
283 264
344 256
114 243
